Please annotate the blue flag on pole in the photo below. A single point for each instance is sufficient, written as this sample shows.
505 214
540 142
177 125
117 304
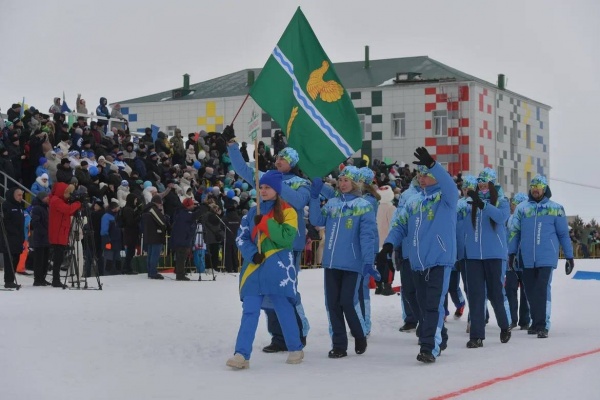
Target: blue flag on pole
155 130
64 108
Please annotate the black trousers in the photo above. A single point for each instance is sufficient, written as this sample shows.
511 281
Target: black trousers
9 273
40 263
58 256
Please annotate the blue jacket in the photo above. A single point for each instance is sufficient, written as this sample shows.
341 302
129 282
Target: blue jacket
295 191
428 220
37 188
539 229
518 264
484 241
349 234
375 204
110 232
407 194
277 273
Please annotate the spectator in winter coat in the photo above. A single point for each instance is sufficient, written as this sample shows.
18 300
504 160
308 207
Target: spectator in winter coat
11 245
162 145
275 227
538 227
55 107
128 153
232 223
53 163
122 193
102 111
244 152
190 155
155 225
116 113
64 143
178 149
80 105
183 232
147 139
41 185
430 218
39 245
59 225
36 147
82 174
131 216
14 112
42 167
111 239
344 271
64 173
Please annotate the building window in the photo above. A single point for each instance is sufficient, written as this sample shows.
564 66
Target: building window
514 179
440 123
361 119
501 177
500 133
399 126
514 136
444 165
529 178
528 136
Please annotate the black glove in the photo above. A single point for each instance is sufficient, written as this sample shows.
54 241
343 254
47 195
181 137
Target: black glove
475 199
257 219
569 265
424 158
228 133
258 258
511 262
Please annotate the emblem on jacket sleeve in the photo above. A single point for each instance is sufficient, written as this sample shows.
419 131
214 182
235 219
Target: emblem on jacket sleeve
290 270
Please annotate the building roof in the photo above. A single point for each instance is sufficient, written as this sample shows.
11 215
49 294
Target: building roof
353 75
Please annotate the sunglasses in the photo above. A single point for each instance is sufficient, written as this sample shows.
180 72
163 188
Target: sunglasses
538 186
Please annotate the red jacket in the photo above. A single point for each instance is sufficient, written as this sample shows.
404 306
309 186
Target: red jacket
60 212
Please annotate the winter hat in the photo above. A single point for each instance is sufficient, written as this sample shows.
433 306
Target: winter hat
74 181
114 203
273 179
44 176
216 191
188 202
147 184
519 198
90 154
366 175
351 173
43 160
41 195
236 199
101 158
469 182
124 183
65 161
487 175
539 180
290 155
110 134
84 163
423 170
79 131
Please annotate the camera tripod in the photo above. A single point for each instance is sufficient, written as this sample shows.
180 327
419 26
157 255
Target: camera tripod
74 252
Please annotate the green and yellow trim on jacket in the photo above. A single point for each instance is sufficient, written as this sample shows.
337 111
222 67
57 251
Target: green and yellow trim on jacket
273 236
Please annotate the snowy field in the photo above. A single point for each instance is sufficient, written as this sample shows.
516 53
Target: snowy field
144 339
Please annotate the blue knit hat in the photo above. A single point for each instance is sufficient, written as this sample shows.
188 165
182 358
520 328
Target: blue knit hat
43 160
273 179
519 198
366 175
469 182
290 155
351 173
487 175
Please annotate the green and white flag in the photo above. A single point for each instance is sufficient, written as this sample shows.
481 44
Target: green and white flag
300 90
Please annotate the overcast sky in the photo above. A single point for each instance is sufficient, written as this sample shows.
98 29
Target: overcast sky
548 49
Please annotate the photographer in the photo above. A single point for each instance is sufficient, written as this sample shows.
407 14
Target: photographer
11 245
155 225
59 225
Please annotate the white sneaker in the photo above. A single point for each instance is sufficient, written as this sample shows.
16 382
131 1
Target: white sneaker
238 362
295 357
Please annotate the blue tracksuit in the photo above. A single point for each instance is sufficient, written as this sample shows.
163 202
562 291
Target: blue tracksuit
428 220
349 243
296 192
519 312
486 254
538 228
365 295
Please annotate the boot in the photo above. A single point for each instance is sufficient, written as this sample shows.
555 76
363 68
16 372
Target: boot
426 357
543 334
360 345
182 278
474 343
295 357
58 284
274 348
532 331
387 290
379 287
505 335
10 285
408 327
238 362
337 353
40 283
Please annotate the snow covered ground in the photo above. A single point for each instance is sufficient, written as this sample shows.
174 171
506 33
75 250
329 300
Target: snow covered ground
143 339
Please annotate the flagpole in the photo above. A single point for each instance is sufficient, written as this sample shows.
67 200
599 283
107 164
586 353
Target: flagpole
256 180
240 109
